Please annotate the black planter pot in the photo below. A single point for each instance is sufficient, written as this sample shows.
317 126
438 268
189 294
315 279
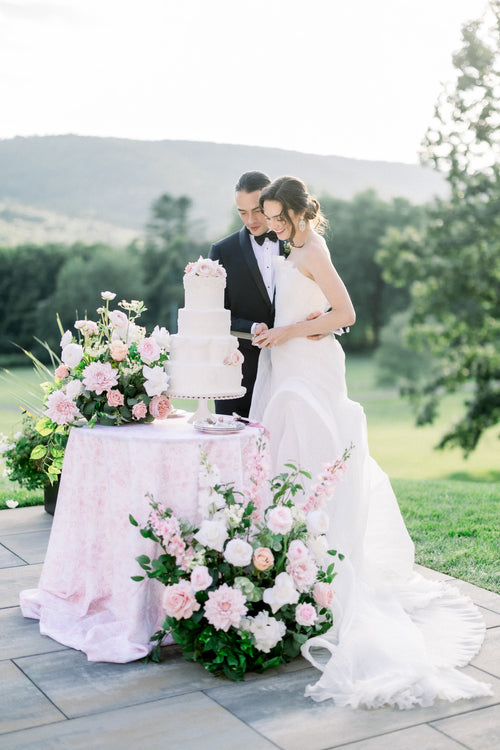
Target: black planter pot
50 497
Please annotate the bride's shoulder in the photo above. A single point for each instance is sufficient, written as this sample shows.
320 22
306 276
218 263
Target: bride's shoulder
317 248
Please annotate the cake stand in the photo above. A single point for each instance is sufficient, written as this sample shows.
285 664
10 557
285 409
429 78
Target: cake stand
202 411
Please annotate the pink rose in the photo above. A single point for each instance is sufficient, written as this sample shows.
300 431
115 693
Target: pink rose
160 407
99 377
303 572
118 350
263 558
200 578
234 358
60 408
115 398
225 607
149 350
305 614
323 594
280 520
179 601
139 410
61 372
88 327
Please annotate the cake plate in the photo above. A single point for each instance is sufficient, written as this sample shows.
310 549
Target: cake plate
202 411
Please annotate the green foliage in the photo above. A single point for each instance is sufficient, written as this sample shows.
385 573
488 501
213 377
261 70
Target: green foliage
34 457
397 364
453 263
355 232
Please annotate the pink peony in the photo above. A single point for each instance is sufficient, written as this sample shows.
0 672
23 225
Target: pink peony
149 350
303 572
61 372
139 410
323 594
263 558
99 377
305 614
225 607
118 350
160 407
297 551
115 398
179 601
60 408
280 520
200 578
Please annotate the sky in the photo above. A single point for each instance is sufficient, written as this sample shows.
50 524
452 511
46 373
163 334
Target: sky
353 78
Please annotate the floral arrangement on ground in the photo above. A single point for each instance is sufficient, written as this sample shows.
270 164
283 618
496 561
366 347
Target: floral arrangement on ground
248 586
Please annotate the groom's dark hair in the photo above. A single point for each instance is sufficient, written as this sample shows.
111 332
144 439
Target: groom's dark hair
249 182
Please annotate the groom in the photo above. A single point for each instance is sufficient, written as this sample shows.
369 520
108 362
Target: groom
246 256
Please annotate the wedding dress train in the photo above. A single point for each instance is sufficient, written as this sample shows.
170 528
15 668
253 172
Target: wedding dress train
397 638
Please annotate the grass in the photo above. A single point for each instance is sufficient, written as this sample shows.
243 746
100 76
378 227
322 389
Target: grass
449 503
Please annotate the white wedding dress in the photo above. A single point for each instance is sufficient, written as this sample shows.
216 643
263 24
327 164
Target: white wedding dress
397 637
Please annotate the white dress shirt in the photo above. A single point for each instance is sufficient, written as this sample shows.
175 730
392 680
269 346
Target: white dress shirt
263 254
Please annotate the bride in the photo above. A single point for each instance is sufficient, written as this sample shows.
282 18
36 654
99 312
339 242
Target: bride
397 637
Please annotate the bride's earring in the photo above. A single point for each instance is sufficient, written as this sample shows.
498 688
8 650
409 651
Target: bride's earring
302 224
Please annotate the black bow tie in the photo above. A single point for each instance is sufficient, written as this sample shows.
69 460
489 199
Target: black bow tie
269 235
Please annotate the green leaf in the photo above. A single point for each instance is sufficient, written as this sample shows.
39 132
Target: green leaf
38 452
132 520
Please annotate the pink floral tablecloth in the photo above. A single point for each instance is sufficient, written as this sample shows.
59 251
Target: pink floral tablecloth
86 598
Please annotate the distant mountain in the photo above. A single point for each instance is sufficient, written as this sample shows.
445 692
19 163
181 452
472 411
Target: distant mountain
115 181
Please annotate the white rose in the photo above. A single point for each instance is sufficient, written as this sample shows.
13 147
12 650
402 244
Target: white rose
72 355
135 334
283 592
238 552
66 339
212 534
318 547
73 389
156 380
161 336
317 522
108 295
267 631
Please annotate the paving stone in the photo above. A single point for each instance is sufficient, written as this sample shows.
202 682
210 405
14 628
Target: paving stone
8 559
277 709
476 730
15 580
22 703
489 656
423 737
30 546
481 597
24 519
491 619
178 723
20 636
77 686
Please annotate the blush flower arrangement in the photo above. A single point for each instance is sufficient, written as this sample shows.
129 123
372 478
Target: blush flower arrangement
111 372
248 586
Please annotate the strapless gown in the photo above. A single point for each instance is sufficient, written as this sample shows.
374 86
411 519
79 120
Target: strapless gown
397 638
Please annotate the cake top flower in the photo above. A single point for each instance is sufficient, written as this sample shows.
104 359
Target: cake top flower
205 267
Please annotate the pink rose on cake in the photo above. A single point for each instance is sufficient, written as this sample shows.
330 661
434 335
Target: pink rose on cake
205 267
234 358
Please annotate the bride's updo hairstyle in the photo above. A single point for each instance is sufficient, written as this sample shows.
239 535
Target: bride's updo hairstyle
293 196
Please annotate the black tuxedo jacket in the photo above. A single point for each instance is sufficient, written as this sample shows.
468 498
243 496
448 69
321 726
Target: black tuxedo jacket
247 299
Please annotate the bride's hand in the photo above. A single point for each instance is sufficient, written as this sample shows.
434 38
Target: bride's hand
272 337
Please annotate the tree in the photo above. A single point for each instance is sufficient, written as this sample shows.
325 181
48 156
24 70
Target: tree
453 265
355 230
168 247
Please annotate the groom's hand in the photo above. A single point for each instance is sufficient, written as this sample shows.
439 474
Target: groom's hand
316 336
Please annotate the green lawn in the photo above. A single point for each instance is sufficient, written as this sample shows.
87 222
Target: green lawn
450 504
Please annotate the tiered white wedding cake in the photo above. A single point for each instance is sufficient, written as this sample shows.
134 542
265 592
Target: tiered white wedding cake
204 360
